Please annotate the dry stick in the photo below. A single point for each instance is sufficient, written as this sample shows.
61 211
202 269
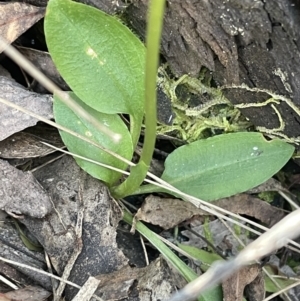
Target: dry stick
275 238
144 249
49 267
22 265
53 88
288 199
8 283
87 290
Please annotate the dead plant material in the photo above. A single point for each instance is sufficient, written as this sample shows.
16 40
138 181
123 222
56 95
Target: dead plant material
166 212
26 145
248 205
12 121
32 293
249 277
16 18
21 194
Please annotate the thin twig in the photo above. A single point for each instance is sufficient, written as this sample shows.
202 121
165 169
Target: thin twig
144 249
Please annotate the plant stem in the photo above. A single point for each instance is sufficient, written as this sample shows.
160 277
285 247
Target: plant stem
138 172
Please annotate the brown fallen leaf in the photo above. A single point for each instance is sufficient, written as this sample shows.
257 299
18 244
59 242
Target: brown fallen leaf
255 291
43 61
20 193
16 18
252 206
270 185
13 248
29 293
218 235
167 213
233 287
153 282
100 252
26 145
4 298
12 120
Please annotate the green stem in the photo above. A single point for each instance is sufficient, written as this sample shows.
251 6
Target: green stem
138 172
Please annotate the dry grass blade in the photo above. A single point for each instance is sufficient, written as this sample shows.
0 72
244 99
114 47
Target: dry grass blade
275 238
282 291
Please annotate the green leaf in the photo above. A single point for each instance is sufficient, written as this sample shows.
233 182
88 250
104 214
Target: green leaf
203 256
101 59
270 285
64 116
205 259
225 165
214 294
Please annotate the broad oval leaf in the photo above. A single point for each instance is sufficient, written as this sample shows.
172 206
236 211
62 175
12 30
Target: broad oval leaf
225 165
66 117
101 59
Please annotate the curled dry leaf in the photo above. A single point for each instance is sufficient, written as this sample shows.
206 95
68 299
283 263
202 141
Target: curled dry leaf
16 18
20 193
233 287
13 248
26 145
252 206
29 293
12 120
154 282
270 185
167 213
4 298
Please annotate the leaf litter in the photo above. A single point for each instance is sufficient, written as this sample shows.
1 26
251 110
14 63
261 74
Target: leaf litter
62 182
21 194
31 293
12 120
28 145
250 279
16 18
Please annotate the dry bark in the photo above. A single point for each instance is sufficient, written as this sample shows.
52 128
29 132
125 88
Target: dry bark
241 42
